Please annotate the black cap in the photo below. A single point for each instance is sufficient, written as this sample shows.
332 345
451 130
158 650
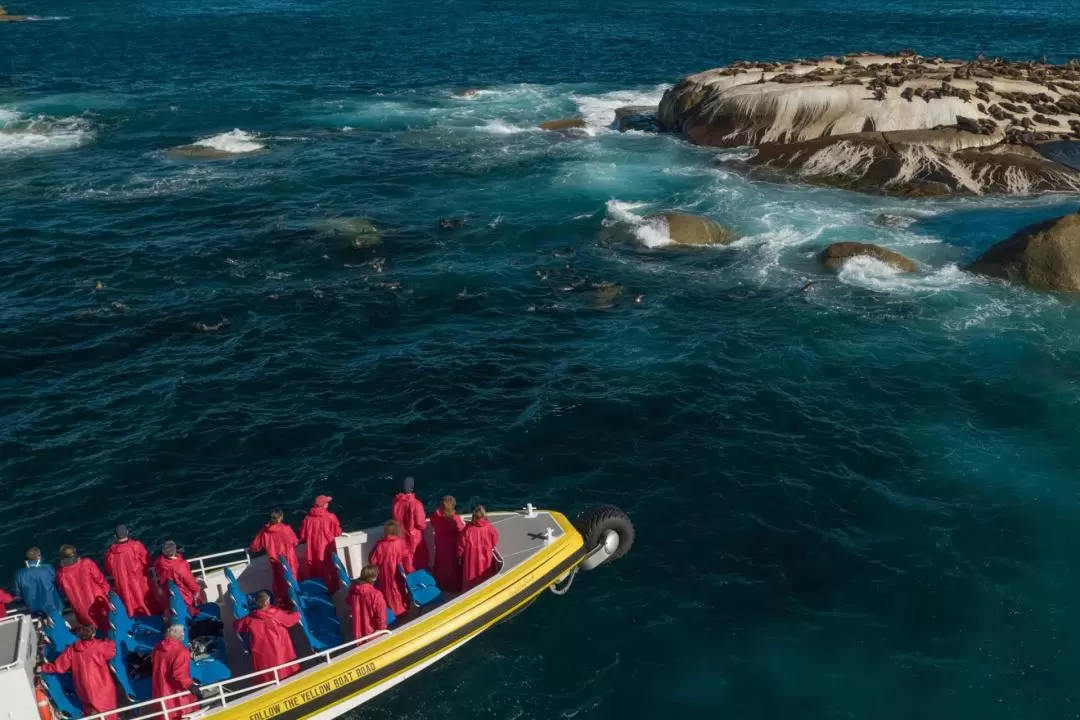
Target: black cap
409 484
121 531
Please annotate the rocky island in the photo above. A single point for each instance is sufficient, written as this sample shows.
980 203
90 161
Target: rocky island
899 124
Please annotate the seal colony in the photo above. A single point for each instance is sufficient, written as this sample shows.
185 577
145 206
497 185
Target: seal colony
899 124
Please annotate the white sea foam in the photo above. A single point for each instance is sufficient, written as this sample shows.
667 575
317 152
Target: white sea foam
654 233
873 274
499 127
20 134
599 110
236 141
620 211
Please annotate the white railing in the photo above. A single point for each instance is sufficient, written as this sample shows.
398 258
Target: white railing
199 565
218 695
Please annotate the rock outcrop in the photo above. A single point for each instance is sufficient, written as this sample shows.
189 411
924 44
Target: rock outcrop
1044 256
4 17
835 255
636 117
563 124
686 229
898 124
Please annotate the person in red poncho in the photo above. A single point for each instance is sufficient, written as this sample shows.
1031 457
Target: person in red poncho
82 583
277 539
128 563
409 514
387 554
171 566
367 604
172 675
476 549
5 598
318 531
88 660
447 526
271 644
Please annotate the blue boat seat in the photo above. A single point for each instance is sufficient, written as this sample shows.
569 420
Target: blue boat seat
421 587
391 618
343 576
132 637
67 704
58 634
136 690
210 670
317 615
241 604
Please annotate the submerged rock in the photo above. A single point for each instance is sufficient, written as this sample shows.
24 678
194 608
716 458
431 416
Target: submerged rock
903 124
636 117
358 232
835 255
692 230
4 17
563 124
467 93
1043 256
890 220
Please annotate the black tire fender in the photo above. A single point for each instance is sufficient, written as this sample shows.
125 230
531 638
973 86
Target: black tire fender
596 522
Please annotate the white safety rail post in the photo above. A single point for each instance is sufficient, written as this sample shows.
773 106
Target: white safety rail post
530 511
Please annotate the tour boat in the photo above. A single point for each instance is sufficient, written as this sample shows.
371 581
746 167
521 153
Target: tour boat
537 550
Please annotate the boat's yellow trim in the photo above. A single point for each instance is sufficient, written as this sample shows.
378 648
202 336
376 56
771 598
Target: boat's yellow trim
418 640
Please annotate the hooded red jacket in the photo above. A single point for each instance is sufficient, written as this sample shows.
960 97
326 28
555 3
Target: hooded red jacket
475 547
88 661
409 513
178 571
368 607
128 563
172 675
271 644
86 590
319 530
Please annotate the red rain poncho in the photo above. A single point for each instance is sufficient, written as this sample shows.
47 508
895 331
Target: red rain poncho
178 571
368 607
128 562
278 539
87 591
4 600
387 554
447 565
172 675
409 514
475 547
271 644
88 661
318 531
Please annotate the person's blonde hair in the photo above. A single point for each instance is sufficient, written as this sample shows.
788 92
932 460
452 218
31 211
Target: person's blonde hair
369 574
392 529
448 506
479 513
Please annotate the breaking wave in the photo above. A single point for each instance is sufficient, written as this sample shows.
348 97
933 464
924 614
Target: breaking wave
235 141
21 134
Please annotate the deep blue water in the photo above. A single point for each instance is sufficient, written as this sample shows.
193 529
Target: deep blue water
855 498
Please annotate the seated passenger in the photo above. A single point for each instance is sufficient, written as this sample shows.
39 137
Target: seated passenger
277 539
88 660
271 644
81 581
171 566
172 675
5 598
36 585
387 554
129 564
367 604
409 513
318 531
476 549
447 526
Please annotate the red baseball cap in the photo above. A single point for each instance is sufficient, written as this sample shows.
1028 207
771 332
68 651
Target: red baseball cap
323 500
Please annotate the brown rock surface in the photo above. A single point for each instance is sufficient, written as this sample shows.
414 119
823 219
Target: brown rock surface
835 255
1043 256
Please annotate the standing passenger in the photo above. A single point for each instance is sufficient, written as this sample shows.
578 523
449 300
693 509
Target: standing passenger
278 539
82 582
387 554
409 514
171 663
5 598
36 585
367 604
476 548
128 563
271 645
88 660
319 530
171 566
447 525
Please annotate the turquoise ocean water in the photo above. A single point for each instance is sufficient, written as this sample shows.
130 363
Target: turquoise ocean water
856 495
